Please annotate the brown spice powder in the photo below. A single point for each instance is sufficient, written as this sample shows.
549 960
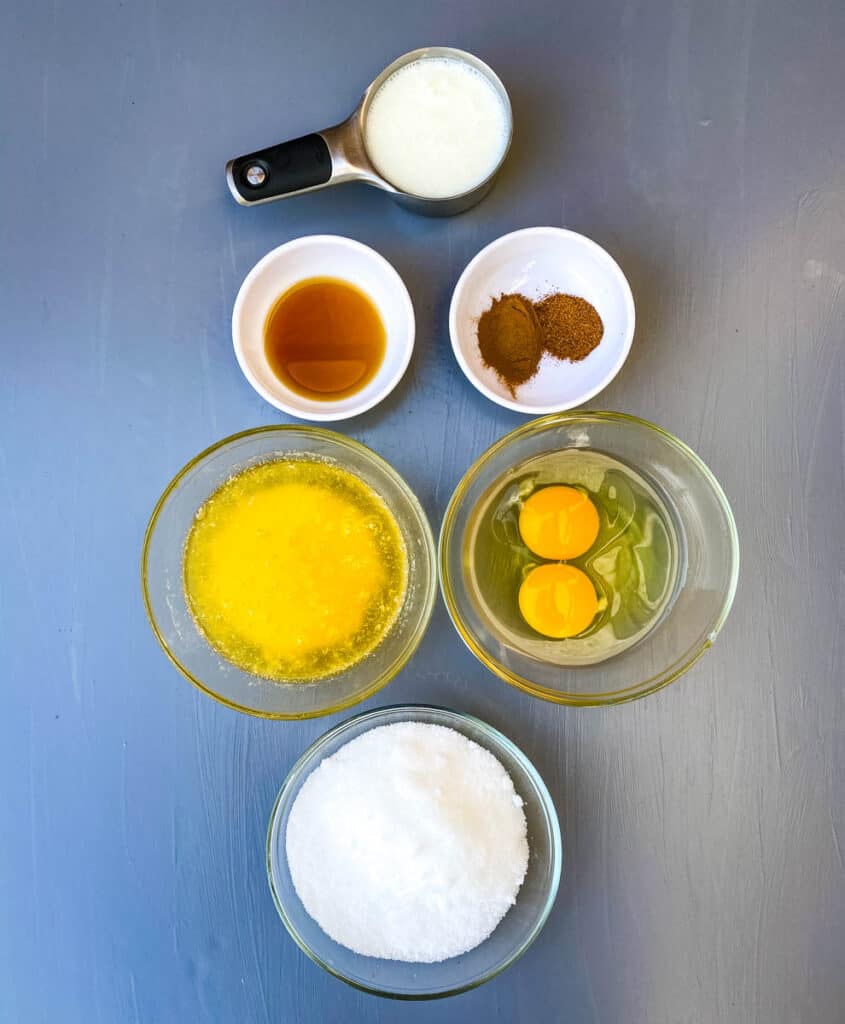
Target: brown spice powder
509 339
514 331
571 327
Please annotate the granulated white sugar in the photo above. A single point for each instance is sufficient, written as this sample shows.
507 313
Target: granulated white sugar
409 843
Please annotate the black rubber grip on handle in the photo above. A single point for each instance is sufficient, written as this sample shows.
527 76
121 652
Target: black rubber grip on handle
288 167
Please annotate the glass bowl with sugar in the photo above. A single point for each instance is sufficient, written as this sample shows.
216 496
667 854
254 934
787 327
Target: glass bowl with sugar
424 841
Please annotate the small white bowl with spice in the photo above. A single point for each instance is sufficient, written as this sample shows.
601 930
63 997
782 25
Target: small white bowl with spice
541 320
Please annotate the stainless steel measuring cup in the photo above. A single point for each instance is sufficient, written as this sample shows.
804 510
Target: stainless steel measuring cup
339 154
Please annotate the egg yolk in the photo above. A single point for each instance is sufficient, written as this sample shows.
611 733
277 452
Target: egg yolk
558 600
559 522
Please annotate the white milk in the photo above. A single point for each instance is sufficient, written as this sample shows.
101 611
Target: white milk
436 128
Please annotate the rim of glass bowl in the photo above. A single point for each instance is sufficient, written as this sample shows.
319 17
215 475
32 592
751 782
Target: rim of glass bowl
342 441
638 690
309 760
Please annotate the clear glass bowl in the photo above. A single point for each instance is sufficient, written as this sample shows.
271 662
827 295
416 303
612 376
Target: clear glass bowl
164 596
517 930
706 584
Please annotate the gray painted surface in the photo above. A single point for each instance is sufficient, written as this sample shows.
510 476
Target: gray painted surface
703 145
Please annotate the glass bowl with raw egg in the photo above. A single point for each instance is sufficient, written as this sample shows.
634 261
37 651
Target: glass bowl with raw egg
589 558
288 572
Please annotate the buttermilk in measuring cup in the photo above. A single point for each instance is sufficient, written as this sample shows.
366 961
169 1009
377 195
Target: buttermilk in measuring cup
436 128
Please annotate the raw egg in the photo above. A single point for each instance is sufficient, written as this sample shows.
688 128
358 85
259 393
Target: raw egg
559 522
558 600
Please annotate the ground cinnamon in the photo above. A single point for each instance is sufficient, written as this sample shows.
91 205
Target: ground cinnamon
514 331
509 339
570 326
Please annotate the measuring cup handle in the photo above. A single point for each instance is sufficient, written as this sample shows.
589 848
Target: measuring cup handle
298 165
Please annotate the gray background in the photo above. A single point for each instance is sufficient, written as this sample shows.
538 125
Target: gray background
703 145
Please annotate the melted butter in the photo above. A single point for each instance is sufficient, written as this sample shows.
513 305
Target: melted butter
294 569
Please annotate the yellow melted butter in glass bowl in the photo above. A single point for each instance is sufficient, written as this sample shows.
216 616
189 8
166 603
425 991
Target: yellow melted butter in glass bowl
294 569
271 661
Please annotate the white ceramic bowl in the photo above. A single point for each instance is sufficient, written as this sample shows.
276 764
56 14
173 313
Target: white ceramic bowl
322 256
536 262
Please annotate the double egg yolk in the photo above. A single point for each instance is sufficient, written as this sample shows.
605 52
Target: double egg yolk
556 599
